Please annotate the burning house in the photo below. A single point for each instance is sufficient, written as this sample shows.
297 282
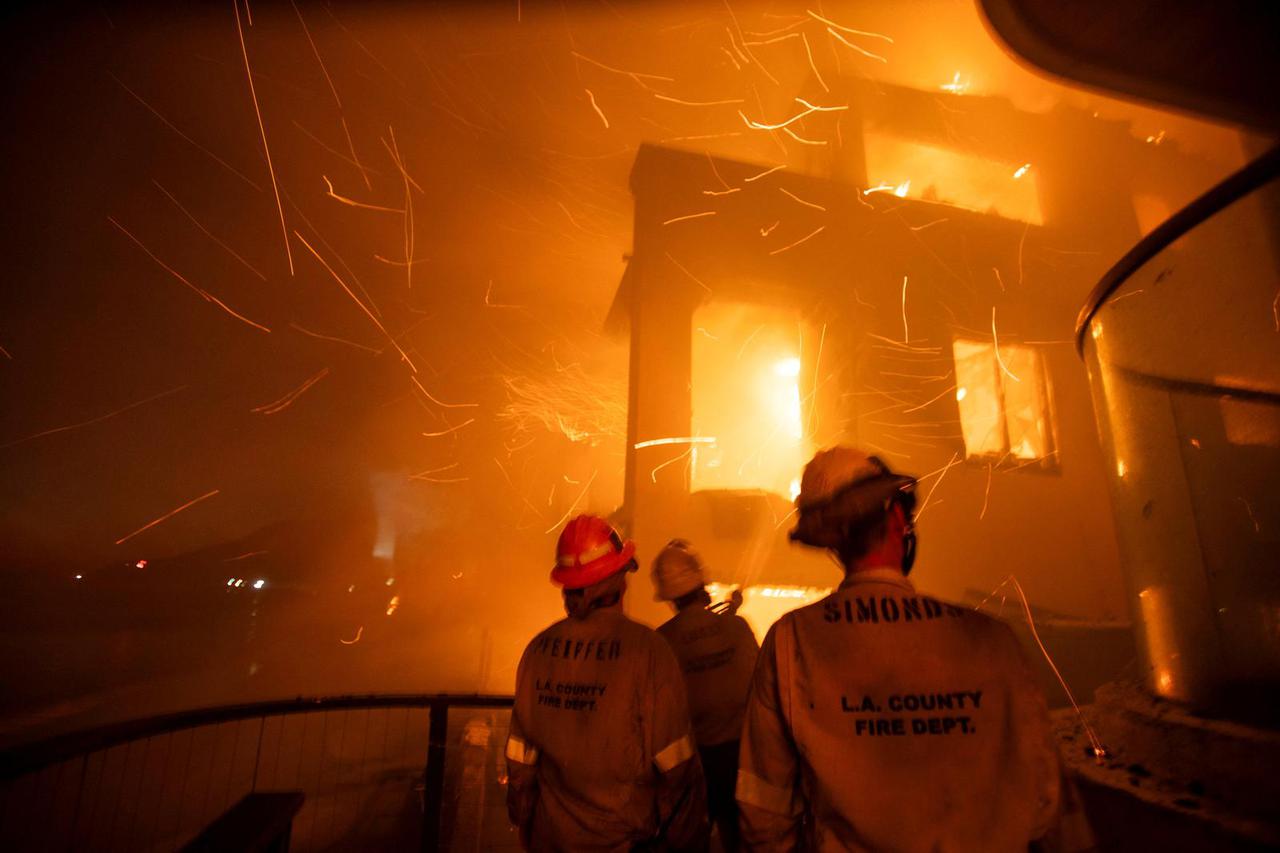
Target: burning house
324 320
910 290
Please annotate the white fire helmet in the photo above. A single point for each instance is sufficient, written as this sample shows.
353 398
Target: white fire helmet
677 571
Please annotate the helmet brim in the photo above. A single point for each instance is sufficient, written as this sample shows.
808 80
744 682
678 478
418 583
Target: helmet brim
822 525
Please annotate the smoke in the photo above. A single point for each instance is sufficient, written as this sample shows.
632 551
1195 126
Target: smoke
349 267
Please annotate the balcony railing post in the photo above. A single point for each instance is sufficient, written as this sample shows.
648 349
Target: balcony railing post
433 787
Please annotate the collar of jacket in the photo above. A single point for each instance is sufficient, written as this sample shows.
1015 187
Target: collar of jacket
882 575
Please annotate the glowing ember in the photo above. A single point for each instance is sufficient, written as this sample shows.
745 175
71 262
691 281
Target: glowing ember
956 86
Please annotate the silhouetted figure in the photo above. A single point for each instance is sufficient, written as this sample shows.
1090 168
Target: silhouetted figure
717 653
600 755
883 719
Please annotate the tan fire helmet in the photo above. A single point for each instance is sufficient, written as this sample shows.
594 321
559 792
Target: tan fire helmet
677 571
841 485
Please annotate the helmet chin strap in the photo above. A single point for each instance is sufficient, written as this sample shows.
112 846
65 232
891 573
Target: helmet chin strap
908 548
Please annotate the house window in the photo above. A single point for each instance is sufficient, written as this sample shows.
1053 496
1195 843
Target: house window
913 169
1003 397
748 425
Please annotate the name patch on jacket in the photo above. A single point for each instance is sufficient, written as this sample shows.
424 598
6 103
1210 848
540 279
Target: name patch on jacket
564 647
888 609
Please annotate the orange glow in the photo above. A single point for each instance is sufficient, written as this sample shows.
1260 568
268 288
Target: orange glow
933 173
764 605
956 86
1162 643
746 392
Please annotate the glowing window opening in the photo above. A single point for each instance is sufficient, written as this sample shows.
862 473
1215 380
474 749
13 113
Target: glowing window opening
930 173
763 605
1002 417
747 371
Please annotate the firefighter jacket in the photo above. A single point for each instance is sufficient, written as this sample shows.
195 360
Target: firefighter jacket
882 719
600 755
718 655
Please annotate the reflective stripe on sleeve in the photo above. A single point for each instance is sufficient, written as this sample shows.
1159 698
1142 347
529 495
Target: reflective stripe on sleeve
521 752
675 754
754 791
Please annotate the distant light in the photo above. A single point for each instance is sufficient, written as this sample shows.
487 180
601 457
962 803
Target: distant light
1022 170
787 367
390 581
259 583
1195 442
961 393
393 604
79 577
1121 469
239 582
141 564
231 581
781 592
683 439
351 588
794 489
956 86
1156 139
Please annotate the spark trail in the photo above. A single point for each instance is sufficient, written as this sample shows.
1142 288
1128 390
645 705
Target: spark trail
333 89
404 355
288 399
207 232
168 515
204 294
995 345
244 51
92 421
223 163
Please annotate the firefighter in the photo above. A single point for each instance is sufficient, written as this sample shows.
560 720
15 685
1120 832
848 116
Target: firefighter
884 719
717 652
600 754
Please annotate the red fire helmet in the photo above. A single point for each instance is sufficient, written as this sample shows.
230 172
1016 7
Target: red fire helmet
589 551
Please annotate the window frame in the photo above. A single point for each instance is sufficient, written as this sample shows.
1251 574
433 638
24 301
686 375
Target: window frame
1004 460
